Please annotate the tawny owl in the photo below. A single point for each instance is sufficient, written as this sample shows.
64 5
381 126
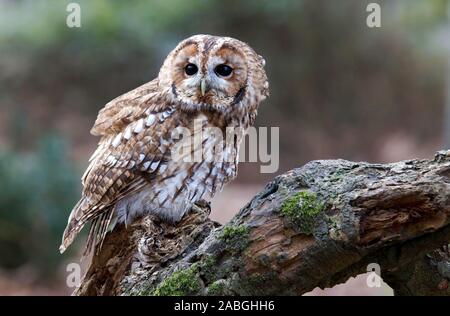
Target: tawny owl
217 81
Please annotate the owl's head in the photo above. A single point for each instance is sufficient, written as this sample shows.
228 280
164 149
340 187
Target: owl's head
214 73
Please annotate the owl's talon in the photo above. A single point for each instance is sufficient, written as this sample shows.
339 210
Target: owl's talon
201 206
204 204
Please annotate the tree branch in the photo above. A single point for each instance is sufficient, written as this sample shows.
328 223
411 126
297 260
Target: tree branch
314 226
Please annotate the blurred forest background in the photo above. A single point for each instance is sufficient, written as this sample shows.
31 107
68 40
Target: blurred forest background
339 89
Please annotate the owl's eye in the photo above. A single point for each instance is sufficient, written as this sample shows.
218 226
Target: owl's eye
190 69
223 70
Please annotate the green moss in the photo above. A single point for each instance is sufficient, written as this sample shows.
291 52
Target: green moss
182 282
217 288
207 268
235 237
302 209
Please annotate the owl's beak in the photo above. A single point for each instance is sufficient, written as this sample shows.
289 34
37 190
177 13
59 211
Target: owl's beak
203 87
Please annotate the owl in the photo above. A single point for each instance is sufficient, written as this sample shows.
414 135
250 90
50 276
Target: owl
156 154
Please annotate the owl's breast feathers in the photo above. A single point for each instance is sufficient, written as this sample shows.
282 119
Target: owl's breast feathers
134 169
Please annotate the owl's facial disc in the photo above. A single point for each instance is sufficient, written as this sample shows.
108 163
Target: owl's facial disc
210 75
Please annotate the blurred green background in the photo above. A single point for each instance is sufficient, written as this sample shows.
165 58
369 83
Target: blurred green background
339 89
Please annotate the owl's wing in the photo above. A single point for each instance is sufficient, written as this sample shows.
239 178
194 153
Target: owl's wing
124 162
127 108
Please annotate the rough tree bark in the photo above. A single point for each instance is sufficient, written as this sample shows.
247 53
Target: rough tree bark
314 226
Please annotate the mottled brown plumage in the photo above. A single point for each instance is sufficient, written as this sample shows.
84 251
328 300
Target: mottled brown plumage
143 164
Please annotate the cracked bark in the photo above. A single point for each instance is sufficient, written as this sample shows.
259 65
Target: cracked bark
314 226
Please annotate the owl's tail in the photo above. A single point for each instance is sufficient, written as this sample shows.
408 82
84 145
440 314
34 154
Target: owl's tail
74 225
97 232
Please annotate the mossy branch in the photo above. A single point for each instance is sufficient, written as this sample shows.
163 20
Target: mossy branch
314 226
